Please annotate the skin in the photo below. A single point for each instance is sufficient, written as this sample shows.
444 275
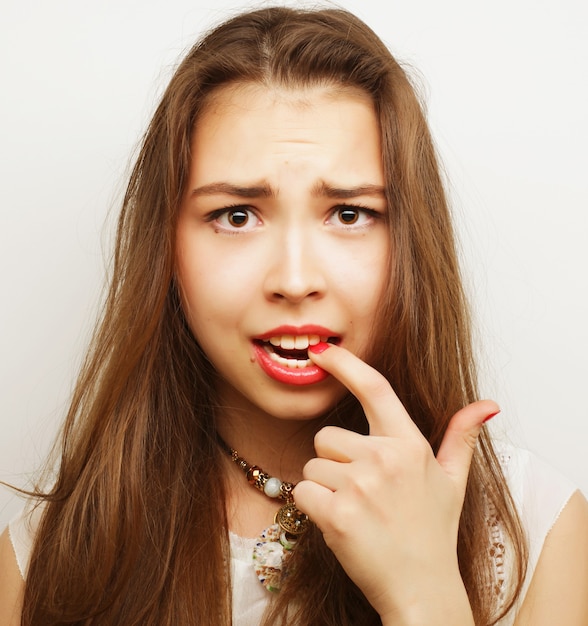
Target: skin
303 266
389 484
294 262
378 499
11 584
344 489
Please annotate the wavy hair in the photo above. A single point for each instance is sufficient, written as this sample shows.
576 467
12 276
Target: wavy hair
137 507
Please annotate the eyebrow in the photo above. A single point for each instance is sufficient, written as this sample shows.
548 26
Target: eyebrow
255 191
325 190
321 189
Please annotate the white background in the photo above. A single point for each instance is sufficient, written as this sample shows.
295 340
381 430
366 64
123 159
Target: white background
506 87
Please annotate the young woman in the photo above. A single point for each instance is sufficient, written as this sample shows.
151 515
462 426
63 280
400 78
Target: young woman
278 419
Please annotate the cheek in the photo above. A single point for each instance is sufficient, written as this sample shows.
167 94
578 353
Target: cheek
366 274
195 287
201 301
379 274
213 292
202 298
366 283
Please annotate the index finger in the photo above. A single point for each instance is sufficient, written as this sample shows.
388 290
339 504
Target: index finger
385 413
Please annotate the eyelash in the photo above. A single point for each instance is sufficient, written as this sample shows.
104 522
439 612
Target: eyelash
217 213
367 211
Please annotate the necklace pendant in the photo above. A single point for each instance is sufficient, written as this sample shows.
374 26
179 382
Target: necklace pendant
276 543
291 520
273 549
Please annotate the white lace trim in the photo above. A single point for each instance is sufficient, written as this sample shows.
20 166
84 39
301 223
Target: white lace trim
497 553
497 548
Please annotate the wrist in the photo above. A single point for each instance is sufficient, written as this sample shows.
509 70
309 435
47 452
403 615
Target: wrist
445 603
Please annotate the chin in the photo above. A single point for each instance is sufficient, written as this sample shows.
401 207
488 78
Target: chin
287 402
303 406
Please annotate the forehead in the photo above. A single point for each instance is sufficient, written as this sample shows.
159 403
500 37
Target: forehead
252 129
258 114
299 98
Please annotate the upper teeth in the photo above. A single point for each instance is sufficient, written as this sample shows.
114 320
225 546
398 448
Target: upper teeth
296 342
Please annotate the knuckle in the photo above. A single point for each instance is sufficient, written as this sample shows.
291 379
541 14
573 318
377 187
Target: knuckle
420 448
391 460
377 386
383 458
470 439
417 455
309 469
323 436
341 518
367 481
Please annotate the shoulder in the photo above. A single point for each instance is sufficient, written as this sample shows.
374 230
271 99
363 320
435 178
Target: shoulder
557 592
11 583
16 543
540 493
554 515
22 531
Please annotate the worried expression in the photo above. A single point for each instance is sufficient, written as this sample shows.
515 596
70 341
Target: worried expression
282 240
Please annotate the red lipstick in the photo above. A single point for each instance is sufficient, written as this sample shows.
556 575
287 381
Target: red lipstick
306 329
288 364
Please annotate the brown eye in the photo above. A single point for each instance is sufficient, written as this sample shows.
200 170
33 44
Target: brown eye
237 218
348 215
234 219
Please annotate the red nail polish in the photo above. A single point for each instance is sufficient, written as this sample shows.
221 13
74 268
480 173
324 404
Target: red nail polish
319 347
489 417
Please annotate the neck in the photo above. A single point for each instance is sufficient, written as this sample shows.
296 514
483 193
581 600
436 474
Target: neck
280 447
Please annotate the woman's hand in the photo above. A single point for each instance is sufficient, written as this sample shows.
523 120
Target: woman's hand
386 506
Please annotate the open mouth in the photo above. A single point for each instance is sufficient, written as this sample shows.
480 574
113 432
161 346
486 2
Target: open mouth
292 350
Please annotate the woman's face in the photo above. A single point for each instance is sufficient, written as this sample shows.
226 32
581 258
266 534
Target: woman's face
281 240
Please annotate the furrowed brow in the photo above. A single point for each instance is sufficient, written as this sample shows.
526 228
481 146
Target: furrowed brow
344 193
254 191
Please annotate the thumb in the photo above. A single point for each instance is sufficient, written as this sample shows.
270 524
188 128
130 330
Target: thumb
458 445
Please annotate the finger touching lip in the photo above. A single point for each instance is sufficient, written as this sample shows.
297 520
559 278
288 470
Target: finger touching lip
384 411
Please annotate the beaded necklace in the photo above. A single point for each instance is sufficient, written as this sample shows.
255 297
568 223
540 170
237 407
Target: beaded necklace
274 546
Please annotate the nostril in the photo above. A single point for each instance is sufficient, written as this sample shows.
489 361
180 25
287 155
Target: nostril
294 296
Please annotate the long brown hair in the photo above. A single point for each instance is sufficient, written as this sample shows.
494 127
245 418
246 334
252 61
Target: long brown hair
134 529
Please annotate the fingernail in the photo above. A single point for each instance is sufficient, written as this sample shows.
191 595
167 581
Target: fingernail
319 347
489 417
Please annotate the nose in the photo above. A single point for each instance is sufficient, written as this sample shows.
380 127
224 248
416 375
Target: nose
295 270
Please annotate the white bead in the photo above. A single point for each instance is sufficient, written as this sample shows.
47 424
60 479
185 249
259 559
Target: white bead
272 487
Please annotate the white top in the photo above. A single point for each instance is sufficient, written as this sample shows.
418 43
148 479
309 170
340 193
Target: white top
539 492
